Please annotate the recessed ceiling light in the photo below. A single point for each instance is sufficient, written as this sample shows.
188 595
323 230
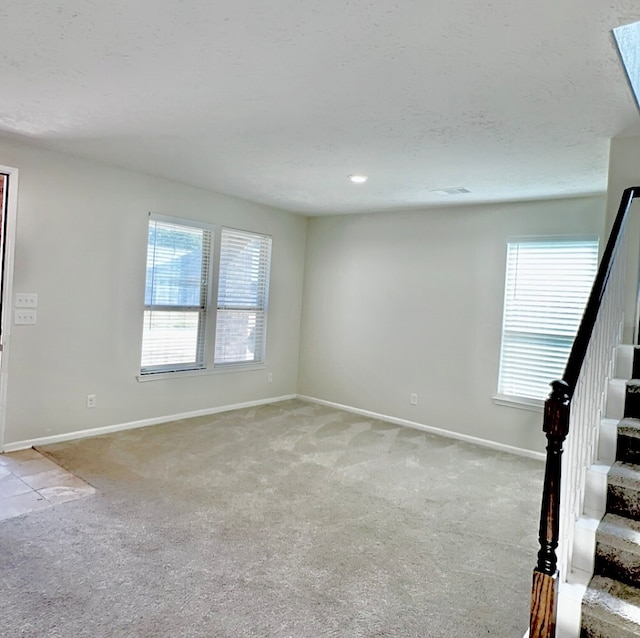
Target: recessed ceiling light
358 179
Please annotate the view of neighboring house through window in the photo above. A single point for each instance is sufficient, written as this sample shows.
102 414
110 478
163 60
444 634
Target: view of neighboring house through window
243 289
178 315
548 282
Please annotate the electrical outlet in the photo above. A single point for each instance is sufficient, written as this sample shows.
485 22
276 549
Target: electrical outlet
413 399
24 317
26 300
269 377
91 400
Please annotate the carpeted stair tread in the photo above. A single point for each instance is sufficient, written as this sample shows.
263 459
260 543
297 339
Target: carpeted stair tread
620 531
610 608
625 474
618 549
623 490
630 426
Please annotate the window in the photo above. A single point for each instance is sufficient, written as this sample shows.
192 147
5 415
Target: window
547 286
243 289
178 315
176 292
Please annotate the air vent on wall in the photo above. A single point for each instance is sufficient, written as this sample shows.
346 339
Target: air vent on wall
451 191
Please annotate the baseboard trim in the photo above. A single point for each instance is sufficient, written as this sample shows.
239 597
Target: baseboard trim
501 447
131 425
570 596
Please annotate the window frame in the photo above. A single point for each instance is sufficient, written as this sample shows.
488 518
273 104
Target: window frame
203 308
515 400
208 326
258 308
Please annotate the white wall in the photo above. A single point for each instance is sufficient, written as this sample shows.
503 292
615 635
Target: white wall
393 303
624 172
81 245
412 302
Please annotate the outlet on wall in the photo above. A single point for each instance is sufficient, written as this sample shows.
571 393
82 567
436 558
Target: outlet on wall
25 317
413 399
91 400
26 300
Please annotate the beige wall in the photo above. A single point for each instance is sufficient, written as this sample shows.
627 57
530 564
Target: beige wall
624 172
412 302
393 304
81 245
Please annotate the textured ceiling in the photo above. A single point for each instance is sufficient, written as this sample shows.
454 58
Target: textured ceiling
278 102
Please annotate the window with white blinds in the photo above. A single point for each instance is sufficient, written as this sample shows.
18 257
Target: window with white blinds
176 293
243 291
547 286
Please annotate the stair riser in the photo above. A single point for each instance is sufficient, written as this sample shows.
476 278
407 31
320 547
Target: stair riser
617 564
628 449
632 402
635 370
623 501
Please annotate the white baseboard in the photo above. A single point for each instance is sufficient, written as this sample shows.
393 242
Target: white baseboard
538 456
108 429
81 434
570 595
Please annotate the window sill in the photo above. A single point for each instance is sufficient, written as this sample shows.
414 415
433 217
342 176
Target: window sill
223 369
533 405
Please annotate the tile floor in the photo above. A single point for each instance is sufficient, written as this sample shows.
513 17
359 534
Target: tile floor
30 481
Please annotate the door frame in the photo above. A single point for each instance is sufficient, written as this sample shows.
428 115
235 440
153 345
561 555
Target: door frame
9 226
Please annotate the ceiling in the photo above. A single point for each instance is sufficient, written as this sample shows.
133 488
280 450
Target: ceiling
278 102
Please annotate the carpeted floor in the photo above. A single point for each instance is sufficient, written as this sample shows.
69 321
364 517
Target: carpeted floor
287 520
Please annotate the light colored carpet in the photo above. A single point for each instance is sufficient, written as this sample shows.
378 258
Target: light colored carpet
287 520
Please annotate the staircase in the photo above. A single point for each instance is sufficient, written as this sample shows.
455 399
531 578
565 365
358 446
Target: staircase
571 510
611 605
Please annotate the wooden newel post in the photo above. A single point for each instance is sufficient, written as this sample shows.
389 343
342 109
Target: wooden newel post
542 622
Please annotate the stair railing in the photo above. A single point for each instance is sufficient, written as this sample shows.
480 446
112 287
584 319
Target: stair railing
572 413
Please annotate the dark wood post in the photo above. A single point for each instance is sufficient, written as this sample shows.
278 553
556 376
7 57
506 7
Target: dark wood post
544 592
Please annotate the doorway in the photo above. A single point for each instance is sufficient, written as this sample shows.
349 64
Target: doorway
8 213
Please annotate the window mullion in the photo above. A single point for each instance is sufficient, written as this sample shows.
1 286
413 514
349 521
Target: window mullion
214 281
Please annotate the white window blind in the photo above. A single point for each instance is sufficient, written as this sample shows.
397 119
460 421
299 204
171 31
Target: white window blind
243 290
175 310
547 286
